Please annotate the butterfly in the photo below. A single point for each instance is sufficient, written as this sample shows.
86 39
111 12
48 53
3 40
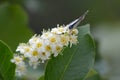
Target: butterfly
76 22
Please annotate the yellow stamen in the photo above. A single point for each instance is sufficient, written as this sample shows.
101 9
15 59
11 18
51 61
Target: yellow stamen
53 39
27 49
63 40
48 48
17 59
43 53
34 53
58 48
39 45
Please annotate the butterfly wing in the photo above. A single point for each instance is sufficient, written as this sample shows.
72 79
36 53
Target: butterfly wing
76 22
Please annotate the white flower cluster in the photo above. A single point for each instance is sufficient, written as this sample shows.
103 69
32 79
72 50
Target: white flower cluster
40 47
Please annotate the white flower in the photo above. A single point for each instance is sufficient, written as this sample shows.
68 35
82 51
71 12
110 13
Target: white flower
33 61
44 56
48 48
40 48
56 49
46 35
73 40
53 39
34 39
20 70
74 31
18 60
20 48
24 49
59 30
38 44
64 40
35 53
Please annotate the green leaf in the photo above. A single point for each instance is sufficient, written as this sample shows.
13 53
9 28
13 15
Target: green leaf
41 78
7 69
94 77
13 25
76 62
91 73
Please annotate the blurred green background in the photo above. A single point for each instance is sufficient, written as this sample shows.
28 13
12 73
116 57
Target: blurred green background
20 19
